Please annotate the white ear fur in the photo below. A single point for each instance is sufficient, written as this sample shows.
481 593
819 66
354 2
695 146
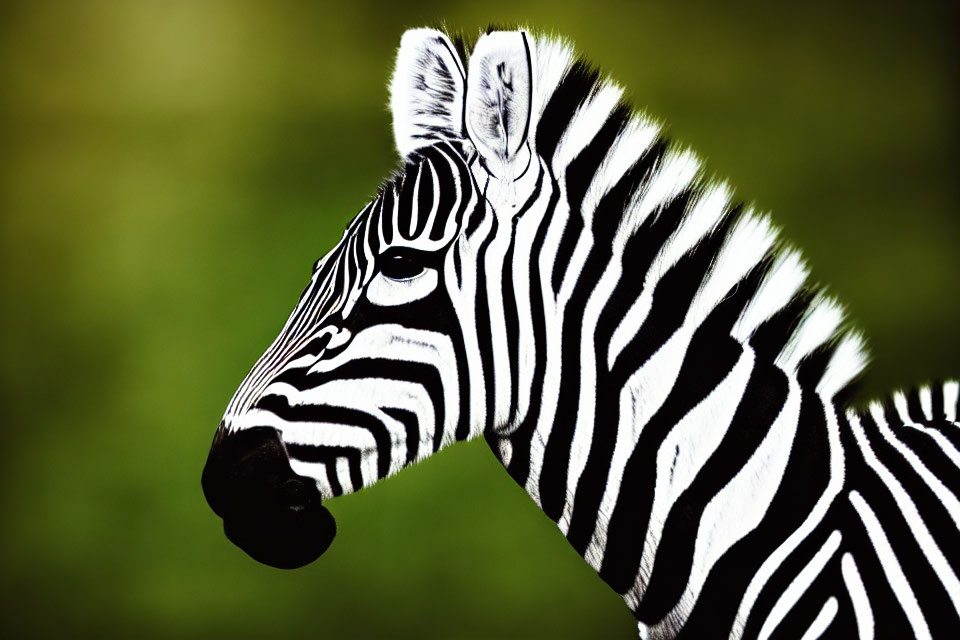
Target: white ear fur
499 95
426 92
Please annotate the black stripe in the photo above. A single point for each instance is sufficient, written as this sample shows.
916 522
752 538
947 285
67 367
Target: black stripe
671 300
385 212
930 593
593 480
762 401
572 231
467 190
482 324
811 450
931 509
639 252
813 365
448 191
328 455
577 83
314 347
773 334
519 466
553 477
331 470
804 480
937 402
409 421
511 314
929 452
425 197
378 369
888 617
702 370
914 410
805 610
406 199
578 176
280 406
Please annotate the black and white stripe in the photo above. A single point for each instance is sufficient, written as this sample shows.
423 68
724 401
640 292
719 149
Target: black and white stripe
645 357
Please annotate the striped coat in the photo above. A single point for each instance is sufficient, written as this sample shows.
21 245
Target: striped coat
644 355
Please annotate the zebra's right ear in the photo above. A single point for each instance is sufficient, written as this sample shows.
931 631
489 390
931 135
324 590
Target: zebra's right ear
427 91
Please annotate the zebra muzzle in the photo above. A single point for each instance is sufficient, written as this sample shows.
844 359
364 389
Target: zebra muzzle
272 513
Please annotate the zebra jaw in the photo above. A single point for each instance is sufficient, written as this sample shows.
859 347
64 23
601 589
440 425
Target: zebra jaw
269 511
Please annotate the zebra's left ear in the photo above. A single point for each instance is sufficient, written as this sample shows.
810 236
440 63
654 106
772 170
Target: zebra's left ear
499 96
426 92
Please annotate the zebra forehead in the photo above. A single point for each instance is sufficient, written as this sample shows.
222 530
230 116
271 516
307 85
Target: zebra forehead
424 204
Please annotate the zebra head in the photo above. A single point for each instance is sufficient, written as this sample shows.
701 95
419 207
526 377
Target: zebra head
404 340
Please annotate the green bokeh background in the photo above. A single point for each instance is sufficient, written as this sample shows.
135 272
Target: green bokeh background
170 170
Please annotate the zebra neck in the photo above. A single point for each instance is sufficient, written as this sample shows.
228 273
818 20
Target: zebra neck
667 403
683 484
674 355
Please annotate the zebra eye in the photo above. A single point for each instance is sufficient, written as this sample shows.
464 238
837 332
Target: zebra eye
400 266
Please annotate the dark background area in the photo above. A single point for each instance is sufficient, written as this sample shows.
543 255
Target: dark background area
169 171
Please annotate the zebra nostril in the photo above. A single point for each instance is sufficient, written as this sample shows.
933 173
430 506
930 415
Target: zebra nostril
295 495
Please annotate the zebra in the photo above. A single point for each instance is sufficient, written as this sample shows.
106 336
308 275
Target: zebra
644 355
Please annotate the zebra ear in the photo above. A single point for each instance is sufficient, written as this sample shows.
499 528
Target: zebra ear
426 92
499 95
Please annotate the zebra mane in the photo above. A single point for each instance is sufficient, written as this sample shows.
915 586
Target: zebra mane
830 352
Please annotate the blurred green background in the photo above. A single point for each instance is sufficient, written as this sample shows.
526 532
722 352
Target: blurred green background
170 170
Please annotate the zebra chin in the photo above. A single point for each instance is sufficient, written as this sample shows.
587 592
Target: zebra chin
272 513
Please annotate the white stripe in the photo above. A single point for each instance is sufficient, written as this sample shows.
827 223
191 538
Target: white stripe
688 446
675 171
527 352
775 559
553 59
950 502
343 475
900 402
463 297
926 403
585 125
703 213
738 507
858 596
800 584
910 513
849 359
818 326
781 283
823 620
435 201
641 397
316 471
458 188
948 449
631 322
586 408
950 392
745 246
502 371
636 137
415 202
891 566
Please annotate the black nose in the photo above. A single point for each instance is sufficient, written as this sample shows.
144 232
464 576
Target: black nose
268 510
